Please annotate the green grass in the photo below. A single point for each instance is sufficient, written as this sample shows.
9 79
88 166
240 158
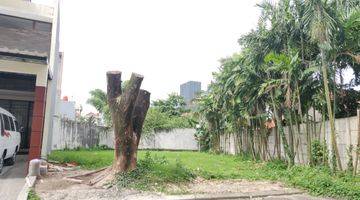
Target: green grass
33 196
176 167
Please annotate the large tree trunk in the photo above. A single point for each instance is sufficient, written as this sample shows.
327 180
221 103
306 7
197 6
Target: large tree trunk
128 110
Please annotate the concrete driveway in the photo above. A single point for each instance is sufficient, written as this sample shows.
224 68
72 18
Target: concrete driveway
12 179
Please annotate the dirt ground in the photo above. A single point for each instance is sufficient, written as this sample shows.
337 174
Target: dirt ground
55 186
201 186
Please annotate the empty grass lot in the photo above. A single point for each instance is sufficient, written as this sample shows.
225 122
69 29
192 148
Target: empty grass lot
316 180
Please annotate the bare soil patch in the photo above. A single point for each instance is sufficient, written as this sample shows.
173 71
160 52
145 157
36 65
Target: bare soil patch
201 186
57 186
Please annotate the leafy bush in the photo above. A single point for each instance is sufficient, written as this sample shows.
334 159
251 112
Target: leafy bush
33 196
350 163
174 105
319 153
203 136
156 121
321 181
317 180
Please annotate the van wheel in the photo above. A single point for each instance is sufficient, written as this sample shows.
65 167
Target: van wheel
1 164
11 161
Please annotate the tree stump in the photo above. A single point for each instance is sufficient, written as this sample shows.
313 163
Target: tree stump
128 111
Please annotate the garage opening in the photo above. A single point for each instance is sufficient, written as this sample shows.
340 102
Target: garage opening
17 93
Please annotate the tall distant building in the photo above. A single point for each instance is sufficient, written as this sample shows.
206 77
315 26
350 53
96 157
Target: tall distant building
190 90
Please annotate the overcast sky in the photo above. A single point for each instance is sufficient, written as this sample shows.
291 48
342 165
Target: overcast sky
168 41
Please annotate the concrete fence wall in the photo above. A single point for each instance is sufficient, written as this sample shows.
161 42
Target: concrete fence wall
71 134
346 130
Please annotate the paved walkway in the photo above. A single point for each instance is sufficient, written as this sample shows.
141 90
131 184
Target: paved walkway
253 195
293 197
12 179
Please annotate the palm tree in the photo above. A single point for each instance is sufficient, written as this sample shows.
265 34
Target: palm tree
321 26
249 87
98 99
207 109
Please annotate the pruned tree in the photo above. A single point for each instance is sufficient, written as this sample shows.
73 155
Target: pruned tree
128 110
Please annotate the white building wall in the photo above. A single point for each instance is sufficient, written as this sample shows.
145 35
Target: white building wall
71 134
52 101
67 109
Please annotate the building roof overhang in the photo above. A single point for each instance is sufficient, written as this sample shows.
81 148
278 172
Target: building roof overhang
27 10
23 58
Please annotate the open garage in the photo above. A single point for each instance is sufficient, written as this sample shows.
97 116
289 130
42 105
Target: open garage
17 97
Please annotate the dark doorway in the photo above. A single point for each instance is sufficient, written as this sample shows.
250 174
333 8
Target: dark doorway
22 110
17 97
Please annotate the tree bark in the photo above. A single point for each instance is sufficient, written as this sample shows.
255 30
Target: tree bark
334 146
284 141
308 140
357 149
128 110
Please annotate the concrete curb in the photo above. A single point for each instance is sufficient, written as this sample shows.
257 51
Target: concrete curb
233 196
29 183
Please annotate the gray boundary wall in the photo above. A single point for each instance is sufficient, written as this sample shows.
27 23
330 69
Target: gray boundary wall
346 130
70 134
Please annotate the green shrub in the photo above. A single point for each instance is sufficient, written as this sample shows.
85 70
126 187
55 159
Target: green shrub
319 153
33 196
322 181
203 137
156 121
350 163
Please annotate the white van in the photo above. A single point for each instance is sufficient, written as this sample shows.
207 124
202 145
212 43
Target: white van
9 138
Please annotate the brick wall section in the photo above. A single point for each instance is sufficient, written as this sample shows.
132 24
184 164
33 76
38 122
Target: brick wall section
37 122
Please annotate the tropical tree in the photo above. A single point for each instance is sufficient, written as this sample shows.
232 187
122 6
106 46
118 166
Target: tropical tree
321 25
286 68
98 99
174 105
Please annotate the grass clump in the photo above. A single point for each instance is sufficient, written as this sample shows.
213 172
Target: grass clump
33 196
320 181
154 173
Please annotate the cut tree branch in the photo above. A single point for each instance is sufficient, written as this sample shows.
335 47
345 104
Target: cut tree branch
141 107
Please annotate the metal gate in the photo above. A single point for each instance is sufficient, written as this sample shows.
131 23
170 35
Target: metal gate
22 110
